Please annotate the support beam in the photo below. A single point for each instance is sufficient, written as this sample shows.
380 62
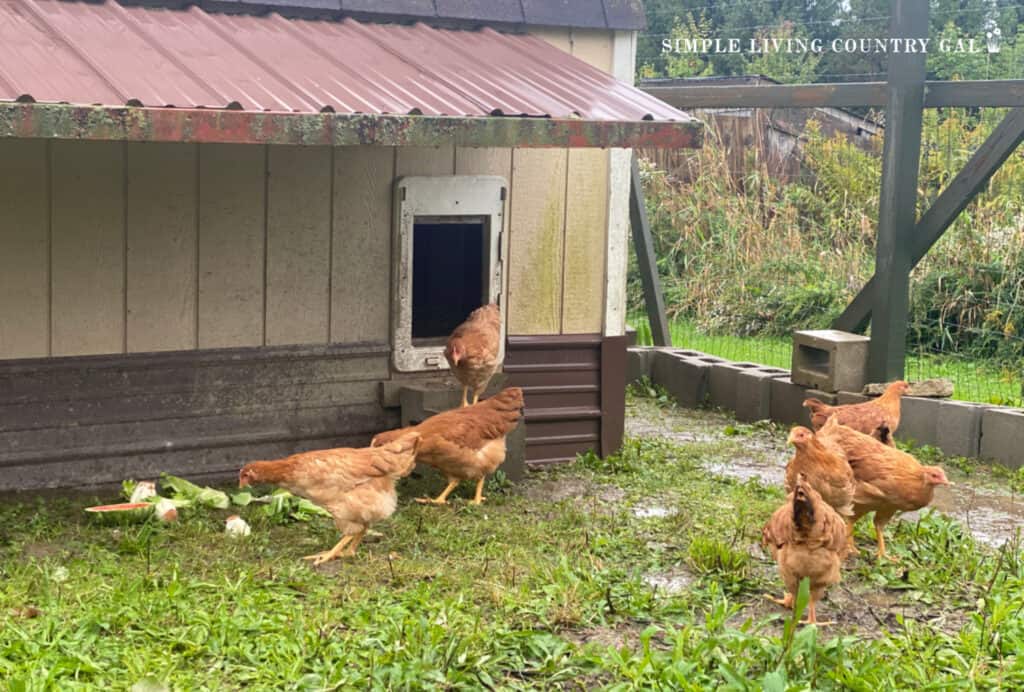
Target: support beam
646 260
897 205
993 152
1002 93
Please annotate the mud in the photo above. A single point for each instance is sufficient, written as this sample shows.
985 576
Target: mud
992 515
671 582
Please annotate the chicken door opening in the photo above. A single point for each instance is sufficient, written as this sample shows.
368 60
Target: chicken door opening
449 273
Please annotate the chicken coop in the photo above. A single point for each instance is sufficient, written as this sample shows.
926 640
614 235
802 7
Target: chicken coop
235 230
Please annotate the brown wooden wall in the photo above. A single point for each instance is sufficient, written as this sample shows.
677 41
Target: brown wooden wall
574 386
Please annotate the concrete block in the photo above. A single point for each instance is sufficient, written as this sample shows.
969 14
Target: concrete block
754 393
919 420
958 428
829 360
1002 436
722 383
685 378
515 453
787 401
630 336
848 398
638 363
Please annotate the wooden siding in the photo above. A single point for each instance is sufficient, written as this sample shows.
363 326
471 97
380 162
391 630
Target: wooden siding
100 419
574 401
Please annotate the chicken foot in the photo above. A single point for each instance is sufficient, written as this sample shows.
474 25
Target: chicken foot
479 497
441 499
812 616
333 553
786 601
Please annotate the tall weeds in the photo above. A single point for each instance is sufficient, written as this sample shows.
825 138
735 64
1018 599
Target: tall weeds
747 254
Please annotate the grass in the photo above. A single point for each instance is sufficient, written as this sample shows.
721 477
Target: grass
555 583
973 380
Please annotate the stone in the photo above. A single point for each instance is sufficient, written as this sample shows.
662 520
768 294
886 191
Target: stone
934 389
829 360
754 393
638 363
958 428
1002 436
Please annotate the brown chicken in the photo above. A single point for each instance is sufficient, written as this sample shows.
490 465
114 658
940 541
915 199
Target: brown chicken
807 538
465 444
472 350
824 467
878 418
888 480
357 486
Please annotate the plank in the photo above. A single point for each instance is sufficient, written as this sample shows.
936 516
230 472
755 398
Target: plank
232 231
770 95
24 249
644 245
161 191
298 245
536 241
897 205
425 161
992 153
973 93
88 247
586 241
361 247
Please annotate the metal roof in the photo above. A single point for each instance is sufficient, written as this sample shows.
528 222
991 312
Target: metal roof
113 55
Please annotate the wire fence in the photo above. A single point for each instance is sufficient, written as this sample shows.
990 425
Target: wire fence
752 247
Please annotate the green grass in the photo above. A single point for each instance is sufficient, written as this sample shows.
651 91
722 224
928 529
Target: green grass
972 380
555 583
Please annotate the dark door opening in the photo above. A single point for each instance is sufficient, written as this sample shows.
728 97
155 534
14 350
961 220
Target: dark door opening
450 273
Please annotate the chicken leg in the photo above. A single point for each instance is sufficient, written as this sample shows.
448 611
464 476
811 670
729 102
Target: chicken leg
479 497
786 601
441 499
880 533
812 616
465 393
356 540
333 553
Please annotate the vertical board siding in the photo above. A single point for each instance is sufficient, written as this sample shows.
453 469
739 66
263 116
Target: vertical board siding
586 241
88 244
586 228
24 249
425 161
298 245
160 220
361 245
232 228
537 235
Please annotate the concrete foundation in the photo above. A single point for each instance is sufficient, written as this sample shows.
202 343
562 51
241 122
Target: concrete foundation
829 360
754 393
722 383
958 428
1002 436
919 420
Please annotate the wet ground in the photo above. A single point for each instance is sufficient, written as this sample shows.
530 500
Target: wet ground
991 513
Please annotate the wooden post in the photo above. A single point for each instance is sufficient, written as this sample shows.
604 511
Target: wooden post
992 153
646 260
897 206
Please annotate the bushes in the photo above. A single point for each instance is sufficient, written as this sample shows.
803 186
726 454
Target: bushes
747 255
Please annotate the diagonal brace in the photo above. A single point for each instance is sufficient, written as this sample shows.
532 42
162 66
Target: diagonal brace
644 245
940 216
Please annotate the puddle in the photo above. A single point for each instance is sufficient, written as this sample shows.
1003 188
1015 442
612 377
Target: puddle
669 582
992 516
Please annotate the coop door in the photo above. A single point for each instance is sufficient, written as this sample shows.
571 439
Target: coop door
449 233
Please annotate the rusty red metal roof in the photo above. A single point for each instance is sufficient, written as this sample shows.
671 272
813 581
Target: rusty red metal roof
107 54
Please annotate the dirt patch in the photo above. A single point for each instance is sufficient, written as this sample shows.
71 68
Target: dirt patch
671 582
584 493
618 636
38 550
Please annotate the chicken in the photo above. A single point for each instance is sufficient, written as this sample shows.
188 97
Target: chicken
472 350
878 418
887 480
357 486
465 443
824 467
807 538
